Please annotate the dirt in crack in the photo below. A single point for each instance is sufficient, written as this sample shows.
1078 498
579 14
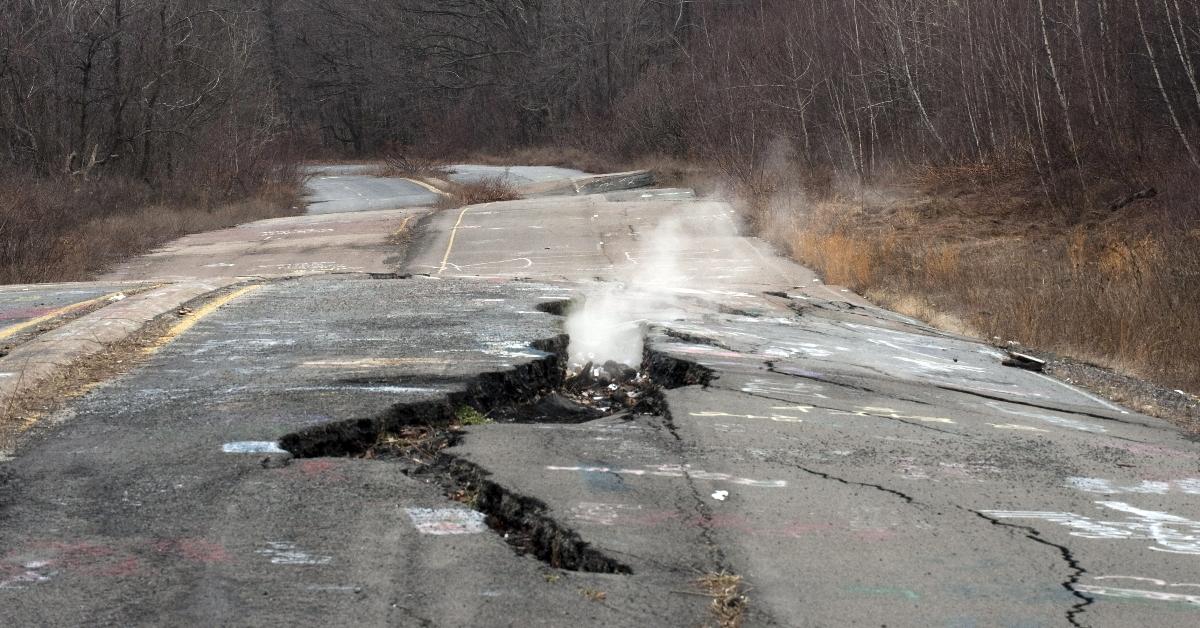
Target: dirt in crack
416 435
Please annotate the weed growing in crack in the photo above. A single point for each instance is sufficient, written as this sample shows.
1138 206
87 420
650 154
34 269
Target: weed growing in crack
413 442
729 601
467 494
466 415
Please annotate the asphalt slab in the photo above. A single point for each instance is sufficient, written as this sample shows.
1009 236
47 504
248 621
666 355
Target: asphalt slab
320 451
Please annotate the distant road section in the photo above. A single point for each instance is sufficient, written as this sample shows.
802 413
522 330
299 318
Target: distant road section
514 175
343 189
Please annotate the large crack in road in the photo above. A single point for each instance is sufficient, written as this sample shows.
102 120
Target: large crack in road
852 466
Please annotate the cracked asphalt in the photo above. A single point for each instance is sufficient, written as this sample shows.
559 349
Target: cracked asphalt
855 467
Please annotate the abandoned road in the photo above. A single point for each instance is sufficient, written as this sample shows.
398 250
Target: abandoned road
312 444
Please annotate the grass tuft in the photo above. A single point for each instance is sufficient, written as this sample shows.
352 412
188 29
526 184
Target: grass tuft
729 601
466 415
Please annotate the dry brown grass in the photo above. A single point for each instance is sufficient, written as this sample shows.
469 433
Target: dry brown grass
486 190
67 229
729 602
1118 294
410 167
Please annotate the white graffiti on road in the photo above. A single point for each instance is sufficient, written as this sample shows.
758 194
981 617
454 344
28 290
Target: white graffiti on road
675 471
603 514
778 389
1142 594
1172 533
1073 424
285 553
447 521
780 418
1189 486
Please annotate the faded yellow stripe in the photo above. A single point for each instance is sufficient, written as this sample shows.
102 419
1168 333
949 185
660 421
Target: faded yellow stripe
13 330
427 186
400 231
453 235
190 320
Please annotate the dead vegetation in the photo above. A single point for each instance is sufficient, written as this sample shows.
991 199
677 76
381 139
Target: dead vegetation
69 228
485 190
1118 288
22 411
729 601
410 166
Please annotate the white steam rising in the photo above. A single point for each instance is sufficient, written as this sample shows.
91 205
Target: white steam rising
610 324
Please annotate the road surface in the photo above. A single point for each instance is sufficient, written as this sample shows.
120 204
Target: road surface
342 189
853 466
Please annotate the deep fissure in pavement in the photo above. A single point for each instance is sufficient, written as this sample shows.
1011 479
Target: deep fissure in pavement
540 391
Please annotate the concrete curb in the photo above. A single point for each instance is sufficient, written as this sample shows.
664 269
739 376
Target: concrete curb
33 362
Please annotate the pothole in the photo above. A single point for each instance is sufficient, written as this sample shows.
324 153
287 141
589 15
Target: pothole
417 434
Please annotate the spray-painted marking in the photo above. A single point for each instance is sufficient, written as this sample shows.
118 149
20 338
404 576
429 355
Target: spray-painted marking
528 262
378 362
604 514
1173 534
319 267
779 418
675 471
1073 424
446 521
252 447
888 413
1189 486
934 366
1154 581
634 516
270 234
32 572
954 471
799 389
1014 426
283 553
1138 594
190 320
391 390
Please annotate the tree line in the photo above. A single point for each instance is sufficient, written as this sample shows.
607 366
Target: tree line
219 91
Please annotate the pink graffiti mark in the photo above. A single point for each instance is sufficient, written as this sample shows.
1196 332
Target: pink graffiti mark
319 469
195 550
97 560
90 559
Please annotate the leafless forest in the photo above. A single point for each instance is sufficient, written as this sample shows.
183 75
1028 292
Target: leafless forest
1077 121
210 91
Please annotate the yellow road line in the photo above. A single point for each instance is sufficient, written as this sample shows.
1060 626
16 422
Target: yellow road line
191 319
426 186
13 330
450 244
